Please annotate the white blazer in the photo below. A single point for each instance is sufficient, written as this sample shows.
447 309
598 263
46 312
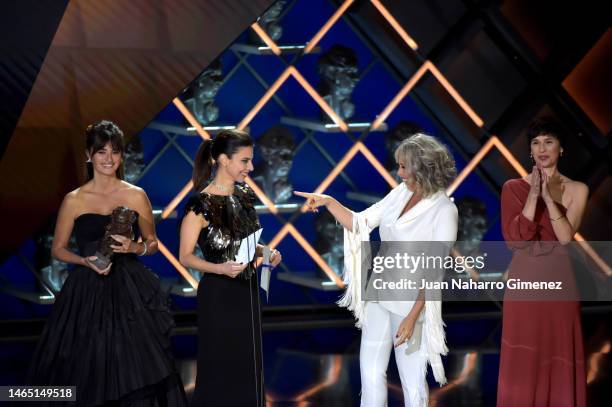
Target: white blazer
432 219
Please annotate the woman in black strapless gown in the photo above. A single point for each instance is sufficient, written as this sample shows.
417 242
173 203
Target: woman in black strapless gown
229 368
109 331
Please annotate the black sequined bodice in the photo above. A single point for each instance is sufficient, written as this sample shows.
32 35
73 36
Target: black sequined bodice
231 218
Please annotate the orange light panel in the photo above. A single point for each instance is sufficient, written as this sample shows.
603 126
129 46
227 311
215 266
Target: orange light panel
470 167
605 267
454 94
291 71
182 270
333 373
427 66
266 38
261 195
595 360
509 156
317 37
493 141
399 97
264 99
190 118
315 256
176 200
377 165
468 368
396 26
279 236
337 169
288 228
317 98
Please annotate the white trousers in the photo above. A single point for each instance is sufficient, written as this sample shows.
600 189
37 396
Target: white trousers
377 339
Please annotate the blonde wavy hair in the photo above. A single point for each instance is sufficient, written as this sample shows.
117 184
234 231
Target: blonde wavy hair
428 161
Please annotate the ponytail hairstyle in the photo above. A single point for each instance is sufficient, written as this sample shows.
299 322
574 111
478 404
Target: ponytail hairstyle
96 137
226 142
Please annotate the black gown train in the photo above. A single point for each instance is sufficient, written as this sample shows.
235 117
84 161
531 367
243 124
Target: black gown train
229 368
109 335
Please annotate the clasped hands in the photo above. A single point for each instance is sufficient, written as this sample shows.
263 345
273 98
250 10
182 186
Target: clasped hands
539 184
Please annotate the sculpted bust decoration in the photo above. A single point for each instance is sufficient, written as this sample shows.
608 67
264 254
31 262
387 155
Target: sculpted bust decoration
338 72
276 147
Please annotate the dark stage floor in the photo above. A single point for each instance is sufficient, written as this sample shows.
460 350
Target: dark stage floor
320 366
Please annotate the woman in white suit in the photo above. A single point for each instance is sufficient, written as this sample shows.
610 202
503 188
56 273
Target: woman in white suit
417 210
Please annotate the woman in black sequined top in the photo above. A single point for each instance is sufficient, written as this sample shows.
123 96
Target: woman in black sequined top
230 219
229 370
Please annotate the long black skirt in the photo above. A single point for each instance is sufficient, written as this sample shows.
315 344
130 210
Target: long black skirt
110 337
229 369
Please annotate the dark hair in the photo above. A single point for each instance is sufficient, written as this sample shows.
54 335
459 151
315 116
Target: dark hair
226 142
97 135
546 125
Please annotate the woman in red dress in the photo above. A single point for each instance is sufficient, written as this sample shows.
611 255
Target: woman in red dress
542 362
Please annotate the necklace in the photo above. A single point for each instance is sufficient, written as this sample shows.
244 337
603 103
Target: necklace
220 187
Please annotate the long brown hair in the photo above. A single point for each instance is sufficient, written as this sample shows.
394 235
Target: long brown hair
96 137
226 142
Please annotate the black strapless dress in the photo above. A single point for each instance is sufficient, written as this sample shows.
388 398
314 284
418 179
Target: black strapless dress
109 335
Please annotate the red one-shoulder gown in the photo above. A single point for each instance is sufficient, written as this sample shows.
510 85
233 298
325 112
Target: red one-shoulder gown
542 356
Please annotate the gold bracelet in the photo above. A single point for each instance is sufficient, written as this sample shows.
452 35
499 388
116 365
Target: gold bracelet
552 220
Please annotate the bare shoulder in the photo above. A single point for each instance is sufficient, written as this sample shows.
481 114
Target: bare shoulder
75 197
73 202
133 191
126 186
576 188
136 197
578 192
